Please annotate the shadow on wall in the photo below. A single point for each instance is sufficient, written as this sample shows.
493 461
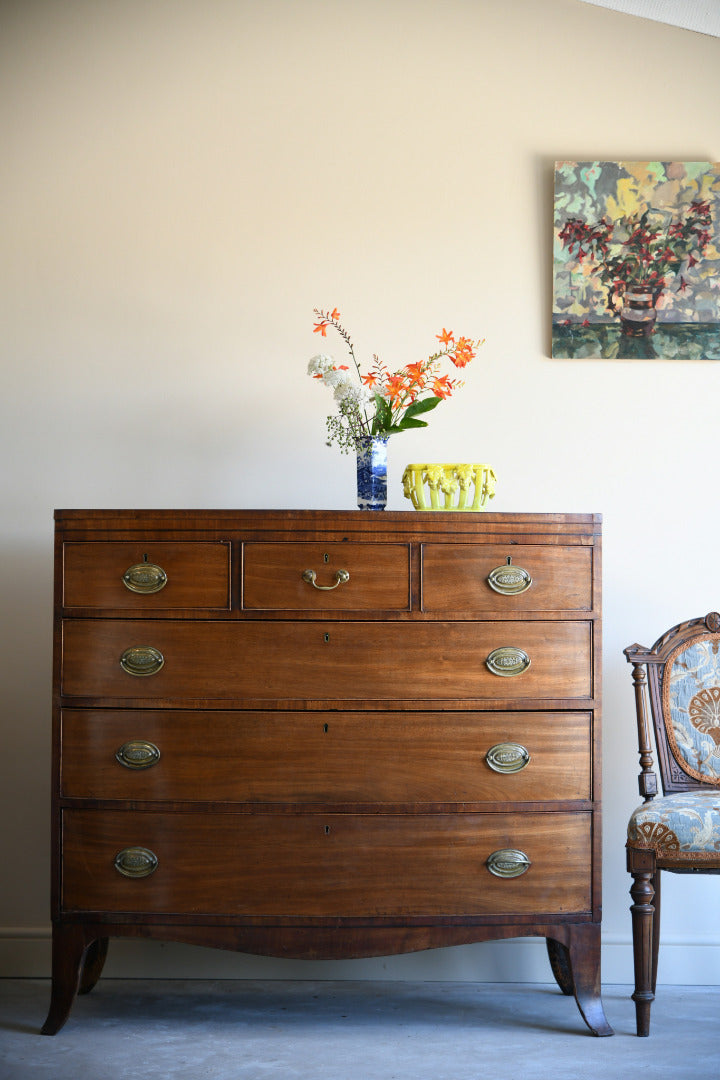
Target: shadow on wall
25 730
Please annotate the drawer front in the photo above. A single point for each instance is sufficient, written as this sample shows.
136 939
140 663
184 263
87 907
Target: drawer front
460 578
146 577
325 757
325 865
396 662
319 577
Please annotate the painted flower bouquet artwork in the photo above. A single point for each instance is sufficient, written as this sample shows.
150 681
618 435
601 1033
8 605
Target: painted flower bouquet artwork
637 260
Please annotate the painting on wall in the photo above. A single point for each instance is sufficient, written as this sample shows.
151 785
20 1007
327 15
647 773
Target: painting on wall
637 260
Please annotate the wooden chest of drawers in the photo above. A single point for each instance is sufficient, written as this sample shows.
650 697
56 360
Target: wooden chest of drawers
319 734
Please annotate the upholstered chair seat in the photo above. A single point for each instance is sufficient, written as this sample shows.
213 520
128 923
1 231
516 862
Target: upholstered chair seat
682 825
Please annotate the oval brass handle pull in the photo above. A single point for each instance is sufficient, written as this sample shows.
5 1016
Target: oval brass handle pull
508 863
341 576
136 862
508 579
142 660
507 757
138 754
508 661
145 577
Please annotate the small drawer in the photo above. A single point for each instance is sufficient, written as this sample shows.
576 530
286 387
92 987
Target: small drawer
347 660
326 865
483 579
146 576
346 757
326 577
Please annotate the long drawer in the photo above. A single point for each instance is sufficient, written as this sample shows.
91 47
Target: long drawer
271 661
333 865
332 757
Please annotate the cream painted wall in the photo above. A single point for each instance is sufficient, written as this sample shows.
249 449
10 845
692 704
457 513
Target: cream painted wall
183 182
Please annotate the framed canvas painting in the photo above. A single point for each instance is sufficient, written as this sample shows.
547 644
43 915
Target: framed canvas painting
637 260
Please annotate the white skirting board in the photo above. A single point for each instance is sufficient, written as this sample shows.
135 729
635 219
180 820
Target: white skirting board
25 953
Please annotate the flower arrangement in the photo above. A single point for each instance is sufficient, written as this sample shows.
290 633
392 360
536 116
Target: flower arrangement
380 402
647 249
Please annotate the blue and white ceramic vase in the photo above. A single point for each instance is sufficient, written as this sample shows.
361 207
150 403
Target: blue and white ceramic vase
372 472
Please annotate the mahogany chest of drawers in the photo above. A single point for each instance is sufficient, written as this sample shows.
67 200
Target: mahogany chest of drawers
319 734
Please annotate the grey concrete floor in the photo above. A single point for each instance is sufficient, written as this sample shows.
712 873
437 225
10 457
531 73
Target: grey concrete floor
240 1030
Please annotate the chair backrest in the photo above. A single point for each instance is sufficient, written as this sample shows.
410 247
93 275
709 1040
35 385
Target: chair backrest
683 686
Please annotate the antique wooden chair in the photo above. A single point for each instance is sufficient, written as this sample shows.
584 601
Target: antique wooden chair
679 831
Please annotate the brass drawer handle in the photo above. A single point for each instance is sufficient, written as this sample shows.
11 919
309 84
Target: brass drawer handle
508 579
145 577
142 660
341 576
508 863
508 757
508 661
136 862
138 754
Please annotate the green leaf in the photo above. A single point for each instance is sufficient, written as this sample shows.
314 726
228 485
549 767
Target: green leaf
422 406
383 415
408 422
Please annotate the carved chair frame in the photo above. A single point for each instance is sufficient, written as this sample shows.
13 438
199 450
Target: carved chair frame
645 864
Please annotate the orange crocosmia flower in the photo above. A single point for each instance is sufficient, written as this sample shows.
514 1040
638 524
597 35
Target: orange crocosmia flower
335 314
446 338
415 372
442 387
370 379
395 386
320 328
463 353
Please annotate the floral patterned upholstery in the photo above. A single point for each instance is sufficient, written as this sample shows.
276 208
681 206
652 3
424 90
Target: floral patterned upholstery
688 823
691 705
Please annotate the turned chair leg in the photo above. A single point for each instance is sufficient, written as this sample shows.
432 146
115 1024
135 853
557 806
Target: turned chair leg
656 929
645 944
